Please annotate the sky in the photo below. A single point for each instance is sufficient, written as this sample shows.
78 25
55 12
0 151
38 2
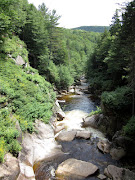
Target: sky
75 13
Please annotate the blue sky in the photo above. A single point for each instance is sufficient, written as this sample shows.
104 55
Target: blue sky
76 13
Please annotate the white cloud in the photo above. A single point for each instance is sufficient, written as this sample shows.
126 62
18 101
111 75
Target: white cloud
76 13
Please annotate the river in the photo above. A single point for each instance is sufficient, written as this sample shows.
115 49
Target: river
77 107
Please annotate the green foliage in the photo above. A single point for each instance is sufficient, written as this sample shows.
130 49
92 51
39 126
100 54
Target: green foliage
129 129
12 16
14 46
65 77
99 29
117 100
97 111
2 149
8 134
24 97
53 73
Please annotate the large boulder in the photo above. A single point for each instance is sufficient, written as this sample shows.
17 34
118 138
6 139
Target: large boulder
37 147
75 169
92 121
125 143
83 134
104 146
9 170
117 173
117 153
65 136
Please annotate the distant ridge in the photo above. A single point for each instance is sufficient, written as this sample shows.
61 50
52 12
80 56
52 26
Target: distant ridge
99 29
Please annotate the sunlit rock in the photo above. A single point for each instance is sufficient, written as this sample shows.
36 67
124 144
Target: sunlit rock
57 129
83 134
37 147
65 136
75 169
9 170
60 114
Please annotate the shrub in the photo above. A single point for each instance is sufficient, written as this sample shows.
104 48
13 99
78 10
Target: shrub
2 149
97 111
14 46
118 99
8 134
65 77
129 129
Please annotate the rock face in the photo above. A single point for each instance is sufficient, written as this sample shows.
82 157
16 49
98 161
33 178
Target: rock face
60 114
75 168
125 143
117 173
93 121
65 136
104 146
19 60
57 129
9 170
37 147
83 134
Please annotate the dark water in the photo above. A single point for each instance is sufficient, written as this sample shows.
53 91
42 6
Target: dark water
78 102
85 150
80 149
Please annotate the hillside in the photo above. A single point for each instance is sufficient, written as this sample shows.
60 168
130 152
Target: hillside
99 29
24 95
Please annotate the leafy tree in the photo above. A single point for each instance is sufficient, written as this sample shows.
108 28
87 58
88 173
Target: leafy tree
34 34
12 16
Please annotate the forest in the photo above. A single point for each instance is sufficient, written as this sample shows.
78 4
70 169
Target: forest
99 29
55 58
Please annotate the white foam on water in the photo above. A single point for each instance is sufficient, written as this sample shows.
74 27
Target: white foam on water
74 119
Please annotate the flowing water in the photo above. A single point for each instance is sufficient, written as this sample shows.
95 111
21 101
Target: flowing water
77 107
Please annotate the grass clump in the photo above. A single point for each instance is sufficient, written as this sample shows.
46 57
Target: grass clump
97 111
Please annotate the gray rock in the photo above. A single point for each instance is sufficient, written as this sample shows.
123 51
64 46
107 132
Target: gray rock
117 153
9 170
101 176
117 173
65 136
75 169
60 114
57 129
104 146
83 134
37 147
19 60
92 121
19 138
